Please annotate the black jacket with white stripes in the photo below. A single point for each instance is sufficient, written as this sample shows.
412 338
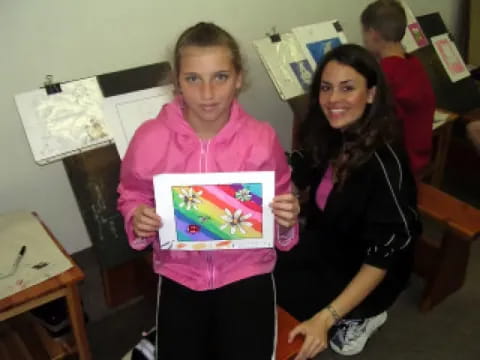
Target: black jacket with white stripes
371 219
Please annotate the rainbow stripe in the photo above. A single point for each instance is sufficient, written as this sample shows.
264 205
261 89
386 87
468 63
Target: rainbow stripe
205 222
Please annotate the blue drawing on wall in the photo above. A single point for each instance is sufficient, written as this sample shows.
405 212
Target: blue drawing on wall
318 49
304 73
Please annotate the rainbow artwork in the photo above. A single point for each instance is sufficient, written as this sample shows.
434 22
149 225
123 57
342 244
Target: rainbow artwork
221 213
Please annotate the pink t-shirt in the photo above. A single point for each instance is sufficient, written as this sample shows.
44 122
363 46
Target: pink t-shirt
324 189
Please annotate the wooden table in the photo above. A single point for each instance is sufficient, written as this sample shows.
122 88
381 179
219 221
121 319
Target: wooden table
63 285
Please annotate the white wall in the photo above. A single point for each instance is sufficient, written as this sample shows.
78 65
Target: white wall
75 39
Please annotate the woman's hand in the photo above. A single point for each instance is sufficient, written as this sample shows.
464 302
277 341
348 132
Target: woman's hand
286 209
315 331
146 222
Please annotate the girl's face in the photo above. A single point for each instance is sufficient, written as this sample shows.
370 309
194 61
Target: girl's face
209 82
343 94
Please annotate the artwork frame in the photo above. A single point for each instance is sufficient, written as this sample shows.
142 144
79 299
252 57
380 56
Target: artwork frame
215 211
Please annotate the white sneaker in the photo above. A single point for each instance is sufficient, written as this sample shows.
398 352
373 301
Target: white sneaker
350 336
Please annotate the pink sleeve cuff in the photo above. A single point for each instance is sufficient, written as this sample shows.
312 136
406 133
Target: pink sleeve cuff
286 238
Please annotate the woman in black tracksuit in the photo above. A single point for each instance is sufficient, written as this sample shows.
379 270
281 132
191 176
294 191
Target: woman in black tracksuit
356 251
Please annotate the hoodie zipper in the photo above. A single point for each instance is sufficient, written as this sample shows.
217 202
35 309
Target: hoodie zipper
203 168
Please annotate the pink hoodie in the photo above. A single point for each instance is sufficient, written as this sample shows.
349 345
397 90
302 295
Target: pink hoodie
168 144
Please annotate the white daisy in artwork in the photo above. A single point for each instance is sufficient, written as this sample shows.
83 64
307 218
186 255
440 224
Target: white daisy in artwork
243 195
236 221
190 198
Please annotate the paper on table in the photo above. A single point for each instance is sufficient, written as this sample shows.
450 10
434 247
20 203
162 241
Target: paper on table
286 64
41 261
440 116
62 124
450 57
125 113
215 211
318 39
414 37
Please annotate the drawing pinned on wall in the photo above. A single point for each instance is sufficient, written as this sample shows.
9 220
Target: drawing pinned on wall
316 40
319 49
283 60
215 210
126 112
450 57
304 73
64 123
418 34
414 37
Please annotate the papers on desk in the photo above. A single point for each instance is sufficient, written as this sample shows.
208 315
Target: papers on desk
65 123
439 118
42 259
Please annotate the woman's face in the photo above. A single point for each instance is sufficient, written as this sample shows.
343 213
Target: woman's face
343 94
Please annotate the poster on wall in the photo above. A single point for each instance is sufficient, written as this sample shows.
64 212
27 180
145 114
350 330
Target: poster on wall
450 57
286 65
414 37
316 40
126 112
215 211
65 123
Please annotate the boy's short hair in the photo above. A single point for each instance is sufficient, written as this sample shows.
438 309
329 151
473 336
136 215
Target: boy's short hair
387 17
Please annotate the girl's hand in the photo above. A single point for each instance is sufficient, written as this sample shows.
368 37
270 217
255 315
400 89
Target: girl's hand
286 209
315 331
146 222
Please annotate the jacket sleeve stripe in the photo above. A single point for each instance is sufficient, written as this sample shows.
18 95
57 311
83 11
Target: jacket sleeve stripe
399 166
402 215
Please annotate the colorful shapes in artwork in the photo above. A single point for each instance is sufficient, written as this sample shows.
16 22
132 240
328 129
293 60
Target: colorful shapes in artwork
218 212
304 73
319 49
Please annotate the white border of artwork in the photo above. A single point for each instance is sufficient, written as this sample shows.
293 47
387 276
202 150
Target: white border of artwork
315 33
454 76
126 112
163 183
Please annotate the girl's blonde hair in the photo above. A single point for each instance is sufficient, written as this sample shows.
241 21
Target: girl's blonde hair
207 34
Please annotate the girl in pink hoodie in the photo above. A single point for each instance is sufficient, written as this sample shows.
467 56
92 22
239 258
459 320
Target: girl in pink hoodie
212 304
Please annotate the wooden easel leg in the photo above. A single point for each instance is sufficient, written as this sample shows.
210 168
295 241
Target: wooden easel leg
450 271
77 322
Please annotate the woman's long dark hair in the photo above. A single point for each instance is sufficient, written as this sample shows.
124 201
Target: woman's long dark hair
349 148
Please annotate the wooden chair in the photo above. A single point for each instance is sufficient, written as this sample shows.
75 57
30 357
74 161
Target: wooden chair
443 263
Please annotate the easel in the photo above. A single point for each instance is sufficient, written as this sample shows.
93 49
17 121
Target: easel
94 177
92 163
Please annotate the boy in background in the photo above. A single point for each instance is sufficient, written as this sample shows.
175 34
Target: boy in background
384 23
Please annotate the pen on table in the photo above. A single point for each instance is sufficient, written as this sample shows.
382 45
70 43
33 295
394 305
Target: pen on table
19 258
